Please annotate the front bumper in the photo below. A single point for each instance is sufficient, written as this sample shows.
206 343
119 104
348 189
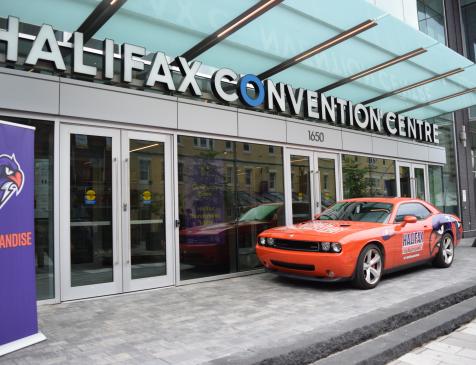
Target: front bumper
316 266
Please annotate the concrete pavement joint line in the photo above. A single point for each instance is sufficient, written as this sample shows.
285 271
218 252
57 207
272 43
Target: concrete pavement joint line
336 342
392 345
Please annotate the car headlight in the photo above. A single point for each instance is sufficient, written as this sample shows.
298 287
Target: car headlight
270 241
336 247
333 247
325 246
262 241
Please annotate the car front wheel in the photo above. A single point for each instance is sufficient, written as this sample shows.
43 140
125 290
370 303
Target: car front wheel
369 268
446 253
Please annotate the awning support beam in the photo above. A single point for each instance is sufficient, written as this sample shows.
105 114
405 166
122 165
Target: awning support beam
349 33
231 27
98 17
414 85
438 100
373 69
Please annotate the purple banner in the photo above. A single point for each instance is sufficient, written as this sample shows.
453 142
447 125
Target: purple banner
18 312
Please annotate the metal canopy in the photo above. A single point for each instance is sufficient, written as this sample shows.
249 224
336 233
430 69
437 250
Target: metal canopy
278 35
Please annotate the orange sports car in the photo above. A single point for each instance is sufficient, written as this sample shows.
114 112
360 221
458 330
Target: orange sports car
360 239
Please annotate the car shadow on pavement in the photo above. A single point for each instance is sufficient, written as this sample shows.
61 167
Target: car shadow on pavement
296 283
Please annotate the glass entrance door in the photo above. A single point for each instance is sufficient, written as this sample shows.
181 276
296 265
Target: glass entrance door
116 211
146 211
312 184
412 180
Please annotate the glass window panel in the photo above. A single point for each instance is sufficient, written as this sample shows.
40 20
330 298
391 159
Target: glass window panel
468 14
420 183
91 210
301 188
227 197
447 138
435 180
431 19
147 209
405 182
472 111
265 206
327 182
368 176
207 211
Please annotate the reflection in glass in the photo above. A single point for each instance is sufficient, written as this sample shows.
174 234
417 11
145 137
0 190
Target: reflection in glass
327 175
468 14
368 176
419 183
435 180
91 210
301 188
147 209
228 194
431 19
405 182
264 192
449 194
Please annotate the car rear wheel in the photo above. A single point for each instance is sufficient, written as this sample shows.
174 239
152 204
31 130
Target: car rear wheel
446 253
369 268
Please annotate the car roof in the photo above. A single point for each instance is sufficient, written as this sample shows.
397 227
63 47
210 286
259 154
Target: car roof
391 200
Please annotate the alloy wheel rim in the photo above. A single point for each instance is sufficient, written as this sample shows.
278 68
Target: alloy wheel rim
372 266
448 249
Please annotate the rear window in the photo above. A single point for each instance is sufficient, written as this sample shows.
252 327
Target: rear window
376 212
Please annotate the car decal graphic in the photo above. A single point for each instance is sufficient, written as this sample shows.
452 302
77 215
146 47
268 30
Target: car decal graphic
412 242
442 223
387 234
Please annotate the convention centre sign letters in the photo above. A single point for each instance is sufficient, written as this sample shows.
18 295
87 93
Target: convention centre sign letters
226 85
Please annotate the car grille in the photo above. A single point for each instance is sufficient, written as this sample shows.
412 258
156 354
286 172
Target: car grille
289 265
296 245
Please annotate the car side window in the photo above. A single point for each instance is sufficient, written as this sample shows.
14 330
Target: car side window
416 209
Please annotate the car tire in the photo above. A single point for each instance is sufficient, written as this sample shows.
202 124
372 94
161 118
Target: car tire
446 253
369 268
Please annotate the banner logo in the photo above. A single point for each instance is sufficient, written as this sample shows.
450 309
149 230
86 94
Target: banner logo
12 178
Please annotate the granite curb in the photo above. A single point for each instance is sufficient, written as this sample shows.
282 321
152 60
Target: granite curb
392 345
315 345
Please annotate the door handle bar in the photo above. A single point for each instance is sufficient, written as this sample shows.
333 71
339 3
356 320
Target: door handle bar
127 250
114 244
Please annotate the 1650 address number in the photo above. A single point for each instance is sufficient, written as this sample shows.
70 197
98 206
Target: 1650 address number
316 136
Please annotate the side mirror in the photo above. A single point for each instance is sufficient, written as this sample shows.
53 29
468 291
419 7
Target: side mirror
409 219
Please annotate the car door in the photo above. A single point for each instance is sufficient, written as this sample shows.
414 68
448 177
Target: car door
410 243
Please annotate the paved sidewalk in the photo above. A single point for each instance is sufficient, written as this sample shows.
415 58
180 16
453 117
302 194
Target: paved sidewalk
457 348
198 323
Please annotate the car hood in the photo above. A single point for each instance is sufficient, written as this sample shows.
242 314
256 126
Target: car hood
320 230
217 228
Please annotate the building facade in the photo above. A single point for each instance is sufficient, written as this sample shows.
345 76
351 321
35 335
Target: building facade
153 172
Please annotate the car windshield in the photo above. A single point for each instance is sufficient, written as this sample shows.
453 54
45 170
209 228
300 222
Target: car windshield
358 211
263 212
